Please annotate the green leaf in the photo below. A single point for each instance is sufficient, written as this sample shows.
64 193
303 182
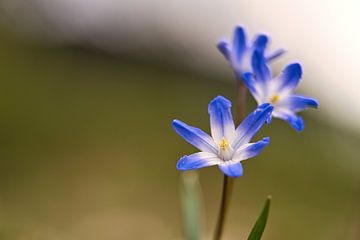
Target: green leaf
260 224
190 200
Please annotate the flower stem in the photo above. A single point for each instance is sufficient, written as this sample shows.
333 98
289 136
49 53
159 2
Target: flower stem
241 101
228 183
225 199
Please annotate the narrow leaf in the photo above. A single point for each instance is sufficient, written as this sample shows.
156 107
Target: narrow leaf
190 199
260 224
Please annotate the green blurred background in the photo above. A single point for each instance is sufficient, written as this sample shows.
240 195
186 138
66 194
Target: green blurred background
87 152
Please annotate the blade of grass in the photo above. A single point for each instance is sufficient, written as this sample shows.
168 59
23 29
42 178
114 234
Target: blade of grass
260 224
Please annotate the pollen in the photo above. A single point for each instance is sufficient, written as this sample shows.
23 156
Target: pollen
274 99
224 144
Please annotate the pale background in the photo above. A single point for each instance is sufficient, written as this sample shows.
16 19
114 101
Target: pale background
88 89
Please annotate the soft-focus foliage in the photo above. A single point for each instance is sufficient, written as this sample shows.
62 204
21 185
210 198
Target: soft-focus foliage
191 205
72 117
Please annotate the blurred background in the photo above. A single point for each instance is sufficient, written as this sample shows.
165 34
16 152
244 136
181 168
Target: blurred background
88 91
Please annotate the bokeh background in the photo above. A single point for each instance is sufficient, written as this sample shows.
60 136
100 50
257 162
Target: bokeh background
88 90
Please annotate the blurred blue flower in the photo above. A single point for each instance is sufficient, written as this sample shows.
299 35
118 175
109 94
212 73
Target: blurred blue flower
239 52
278 91
227 146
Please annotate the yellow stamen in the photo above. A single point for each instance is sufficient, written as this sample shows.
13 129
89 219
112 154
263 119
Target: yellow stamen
224 144
274 99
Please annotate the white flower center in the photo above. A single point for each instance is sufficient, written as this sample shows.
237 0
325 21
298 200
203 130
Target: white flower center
225 150
274 99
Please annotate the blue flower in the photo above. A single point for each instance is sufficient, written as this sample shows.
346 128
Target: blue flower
227 146
278 91
239 52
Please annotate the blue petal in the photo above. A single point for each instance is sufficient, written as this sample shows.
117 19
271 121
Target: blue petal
269 119
275 55
231 169
250 84
290 76
239 43
259 66
260 43
299 103
294 120
251 125
198 160
195 136
251 150
223 47
221 120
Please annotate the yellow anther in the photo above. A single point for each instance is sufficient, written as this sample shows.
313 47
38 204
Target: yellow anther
274 99
224 144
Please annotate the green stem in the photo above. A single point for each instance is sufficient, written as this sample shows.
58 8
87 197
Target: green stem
228 183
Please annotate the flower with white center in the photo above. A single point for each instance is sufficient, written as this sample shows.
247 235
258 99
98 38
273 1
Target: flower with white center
239 52
227 146
278 91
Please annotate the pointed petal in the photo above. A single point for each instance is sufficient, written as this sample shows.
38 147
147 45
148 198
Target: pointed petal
275 54
251 125
250 83
198 160
239 43
231 169
289 77
294 120
260 68
250 150
298 103
260 43
224 47
195 136
221 119
269 119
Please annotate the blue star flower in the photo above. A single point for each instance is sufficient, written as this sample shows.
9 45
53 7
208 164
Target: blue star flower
227 146
239 52
278 91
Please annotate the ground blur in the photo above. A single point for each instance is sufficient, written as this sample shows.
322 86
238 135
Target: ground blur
87 152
